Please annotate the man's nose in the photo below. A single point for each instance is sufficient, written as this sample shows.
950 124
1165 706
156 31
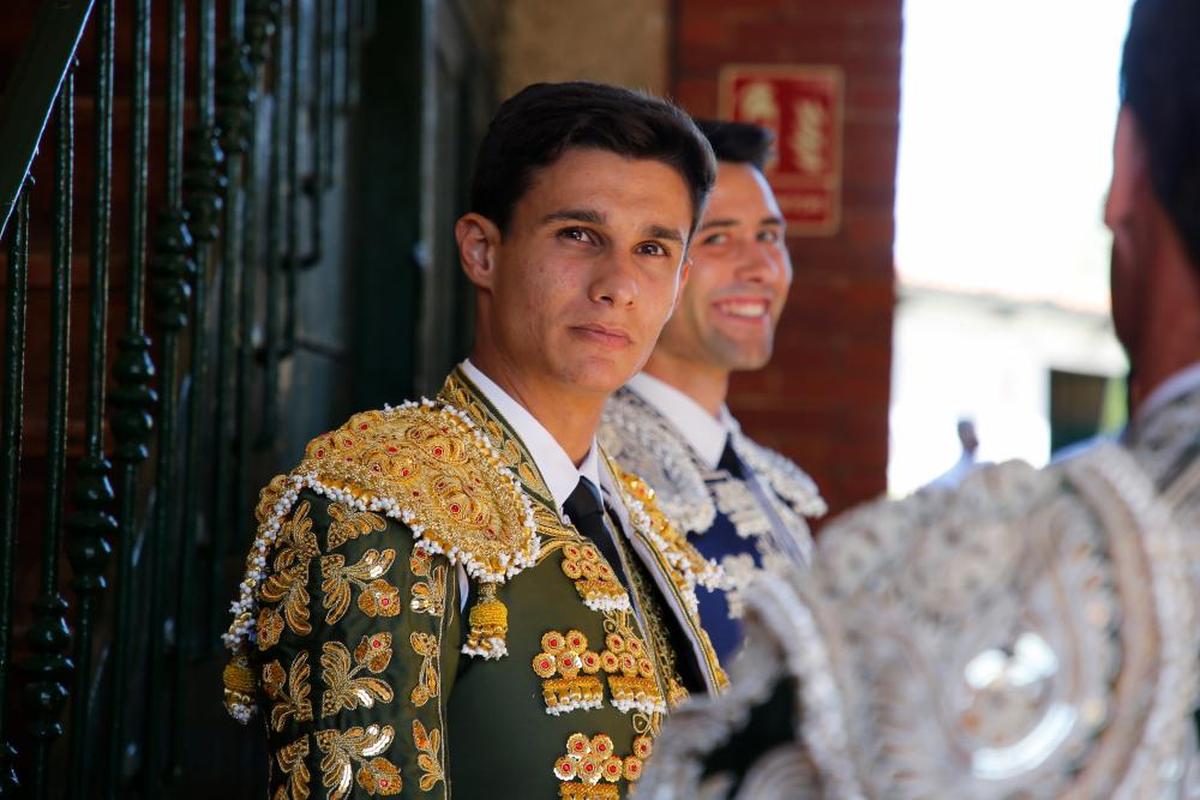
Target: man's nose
615 281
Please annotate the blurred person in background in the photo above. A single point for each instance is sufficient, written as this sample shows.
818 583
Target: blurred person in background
1031 633
741 504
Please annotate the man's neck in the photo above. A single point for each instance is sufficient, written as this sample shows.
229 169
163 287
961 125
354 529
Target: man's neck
705 384
1171 339
571 418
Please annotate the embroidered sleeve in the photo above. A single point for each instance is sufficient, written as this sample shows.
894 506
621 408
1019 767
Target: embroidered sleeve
357 632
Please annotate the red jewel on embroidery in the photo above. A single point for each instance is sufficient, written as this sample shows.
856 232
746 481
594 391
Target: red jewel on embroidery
392 449
320 452
437 451
455 508
362 427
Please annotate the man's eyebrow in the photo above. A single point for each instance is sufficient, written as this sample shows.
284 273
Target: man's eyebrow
718 223
663 232
587 215
771 221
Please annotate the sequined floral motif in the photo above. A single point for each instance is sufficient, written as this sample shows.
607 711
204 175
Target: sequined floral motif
429 749
426 646
291 763
288 583
291 700
591 769
560 664
378 598
631 680
344 690
429 596
361 747
595 580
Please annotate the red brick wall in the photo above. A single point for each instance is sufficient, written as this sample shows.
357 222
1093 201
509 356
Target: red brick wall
824 398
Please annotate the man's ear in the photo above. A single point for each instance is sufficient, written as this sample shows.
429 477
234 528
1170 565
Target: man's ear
1130 170
478 240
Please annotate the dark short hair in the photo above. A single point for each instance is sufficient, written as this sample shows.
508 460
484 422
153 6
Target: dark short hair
1160 85
738 142
538 124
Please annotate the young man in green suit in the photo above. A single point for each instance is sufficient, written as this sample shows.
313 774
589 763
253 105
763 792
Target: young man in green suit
463 596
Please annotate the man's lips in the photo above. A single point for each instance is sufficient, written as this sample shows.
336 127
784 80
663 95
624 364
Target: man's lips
603 334
747 308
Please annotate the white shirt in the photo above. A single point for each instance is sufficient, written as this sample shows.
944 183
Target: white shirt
557 468
705 433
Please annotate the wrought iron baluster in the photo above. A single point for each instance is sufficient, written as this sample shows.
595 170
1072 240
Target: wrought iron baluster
261 25
235 100
10 447
204 189
279 188
170 271
48 666
133 398
91 527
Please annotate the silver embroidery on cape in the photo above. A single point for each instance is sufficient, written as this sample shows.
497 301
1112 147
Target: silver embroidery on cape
644 443
1031 634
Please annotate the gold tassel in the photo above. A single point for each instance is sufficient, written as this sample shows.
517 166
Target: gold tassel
489 624
240 687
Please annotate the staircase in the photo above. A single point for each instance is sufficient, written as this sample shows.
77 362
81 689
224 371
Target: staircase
173 194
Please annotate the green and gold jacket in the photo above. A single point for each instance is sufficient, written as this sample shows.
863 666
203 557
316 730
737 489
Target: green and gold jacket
348 637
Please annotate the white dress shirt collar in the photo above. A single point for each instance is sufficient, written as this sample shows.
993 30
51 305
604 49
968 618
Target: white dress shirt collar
705 433
557 469
1182 382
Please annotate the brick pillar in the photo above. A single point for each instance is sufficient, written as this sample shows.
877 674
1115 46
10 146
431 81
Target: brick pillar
823 400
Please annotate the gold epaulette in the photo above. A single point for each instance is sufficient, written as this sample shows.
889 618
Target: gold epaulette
427 466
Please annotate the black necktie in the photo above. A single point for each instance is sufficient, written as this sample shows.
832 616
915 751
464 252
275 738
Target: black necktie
731 462
586 511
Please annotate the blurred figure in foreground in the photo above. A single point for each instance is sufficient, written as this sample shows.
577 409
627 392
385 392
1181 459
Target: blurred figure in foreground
1032 633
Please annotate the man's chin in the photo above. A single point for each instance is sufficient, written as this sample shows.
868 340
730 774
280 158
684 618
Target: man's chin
600 376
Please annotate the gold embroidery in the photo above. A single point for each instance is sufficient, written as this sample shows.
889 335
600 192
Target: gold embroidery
631 675
428 597
346 523
294 700
288 581
426 689
590 769
344 690
559 664
429 759
291 762
361 746
429 461
378 598
595 580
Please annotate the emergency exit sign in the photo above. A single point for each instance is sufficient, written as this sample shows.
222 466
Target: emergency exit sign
802 106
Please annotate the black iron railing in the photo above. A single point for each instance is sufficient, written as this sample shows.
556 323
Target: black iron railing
145 483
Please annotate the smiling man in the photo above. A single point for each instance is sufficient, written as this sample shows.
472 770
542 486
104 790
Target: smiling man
741 504
464 596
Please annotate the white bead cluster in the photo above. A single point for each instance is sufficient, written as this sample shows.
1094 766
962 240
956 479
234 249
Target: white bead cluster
603 604
646 705
492 649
